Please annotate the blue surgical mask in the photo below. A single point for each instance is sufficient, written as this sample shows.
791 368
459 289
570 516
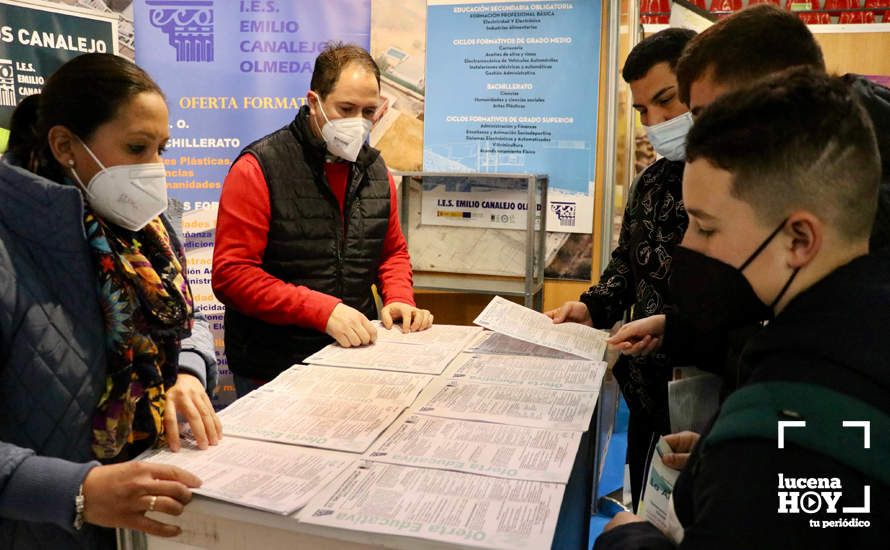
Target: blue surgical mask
668 138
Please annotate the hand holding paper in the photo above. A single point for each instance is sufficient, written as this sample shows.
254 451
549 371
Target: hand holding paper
573 312
501 315
681 444
655 503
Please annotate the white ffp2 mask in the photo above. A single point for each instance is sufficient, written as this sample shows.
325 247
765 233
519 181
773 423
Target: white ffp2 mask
127 195
344 136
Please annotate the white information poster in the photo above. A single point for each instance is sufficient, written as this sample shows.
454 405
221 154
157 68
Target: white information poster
511 87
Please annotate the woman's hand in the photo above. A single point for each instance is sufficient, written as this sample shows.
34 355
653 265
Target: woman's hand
187 400
119 495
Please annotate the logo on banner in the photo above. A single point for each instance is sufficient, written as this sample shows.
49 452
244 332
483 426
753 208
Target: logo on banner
814 495
7 83
565 213
188 25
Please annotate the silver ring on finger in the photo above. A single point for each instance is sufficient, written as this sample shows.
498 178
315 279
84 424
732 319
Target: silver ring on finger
152 502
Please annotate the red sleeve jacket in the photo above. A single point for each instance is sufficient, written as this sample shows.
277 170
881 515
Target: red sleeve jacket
242 228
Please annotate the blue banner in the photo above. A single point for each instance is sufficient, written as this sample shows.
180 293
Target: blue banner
513 87
35 41
233 71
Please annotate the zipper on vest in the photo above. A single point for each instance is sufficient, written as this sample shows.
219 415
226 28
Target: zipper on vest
349 207
340 269
342 245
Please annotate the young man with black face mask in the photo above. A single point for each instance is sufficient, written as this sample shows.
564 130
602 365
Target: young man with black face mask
654 221
735 51
308 221
781 205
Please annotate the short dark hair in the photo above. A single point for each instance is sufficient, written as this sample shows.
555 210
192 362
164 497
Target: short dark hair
748 45
797 139
81 95
664 46
331 62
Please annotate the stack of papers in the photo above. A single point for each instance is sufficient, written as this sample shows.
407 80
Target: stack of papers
453 507
338 424
484 460
331 408
535 372
496 343
454 336
268 476
481 459
525 324
532 407
513 452
425 352
353 384
388 355
318 419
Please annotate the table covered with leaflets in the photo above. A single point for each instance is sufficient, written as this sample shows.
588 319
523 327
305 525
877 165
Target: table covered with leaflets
454 437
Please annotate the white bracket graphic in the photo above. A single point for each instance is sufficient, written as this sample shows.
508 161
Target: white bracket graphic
866 430
789 424
866 506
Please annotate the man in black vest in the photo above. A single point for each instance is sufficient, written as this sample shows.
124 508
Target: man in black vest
307 222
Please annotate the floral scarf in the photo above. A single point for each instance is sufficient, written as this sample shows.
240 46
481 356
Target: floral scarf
147 307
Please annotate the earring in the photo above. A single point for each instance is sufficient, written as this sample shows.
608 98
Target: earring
71 163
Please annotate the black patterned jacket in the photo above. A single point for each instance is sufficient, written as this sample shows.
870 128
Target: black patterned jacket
636 278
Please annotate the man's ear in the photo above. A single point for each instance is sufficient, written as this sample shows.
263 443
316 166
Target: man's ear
806 233
312 101
61 143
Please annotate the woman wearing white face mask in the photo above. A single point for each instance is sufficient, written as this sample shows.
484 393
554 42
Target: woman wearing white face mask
94 310
308 222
